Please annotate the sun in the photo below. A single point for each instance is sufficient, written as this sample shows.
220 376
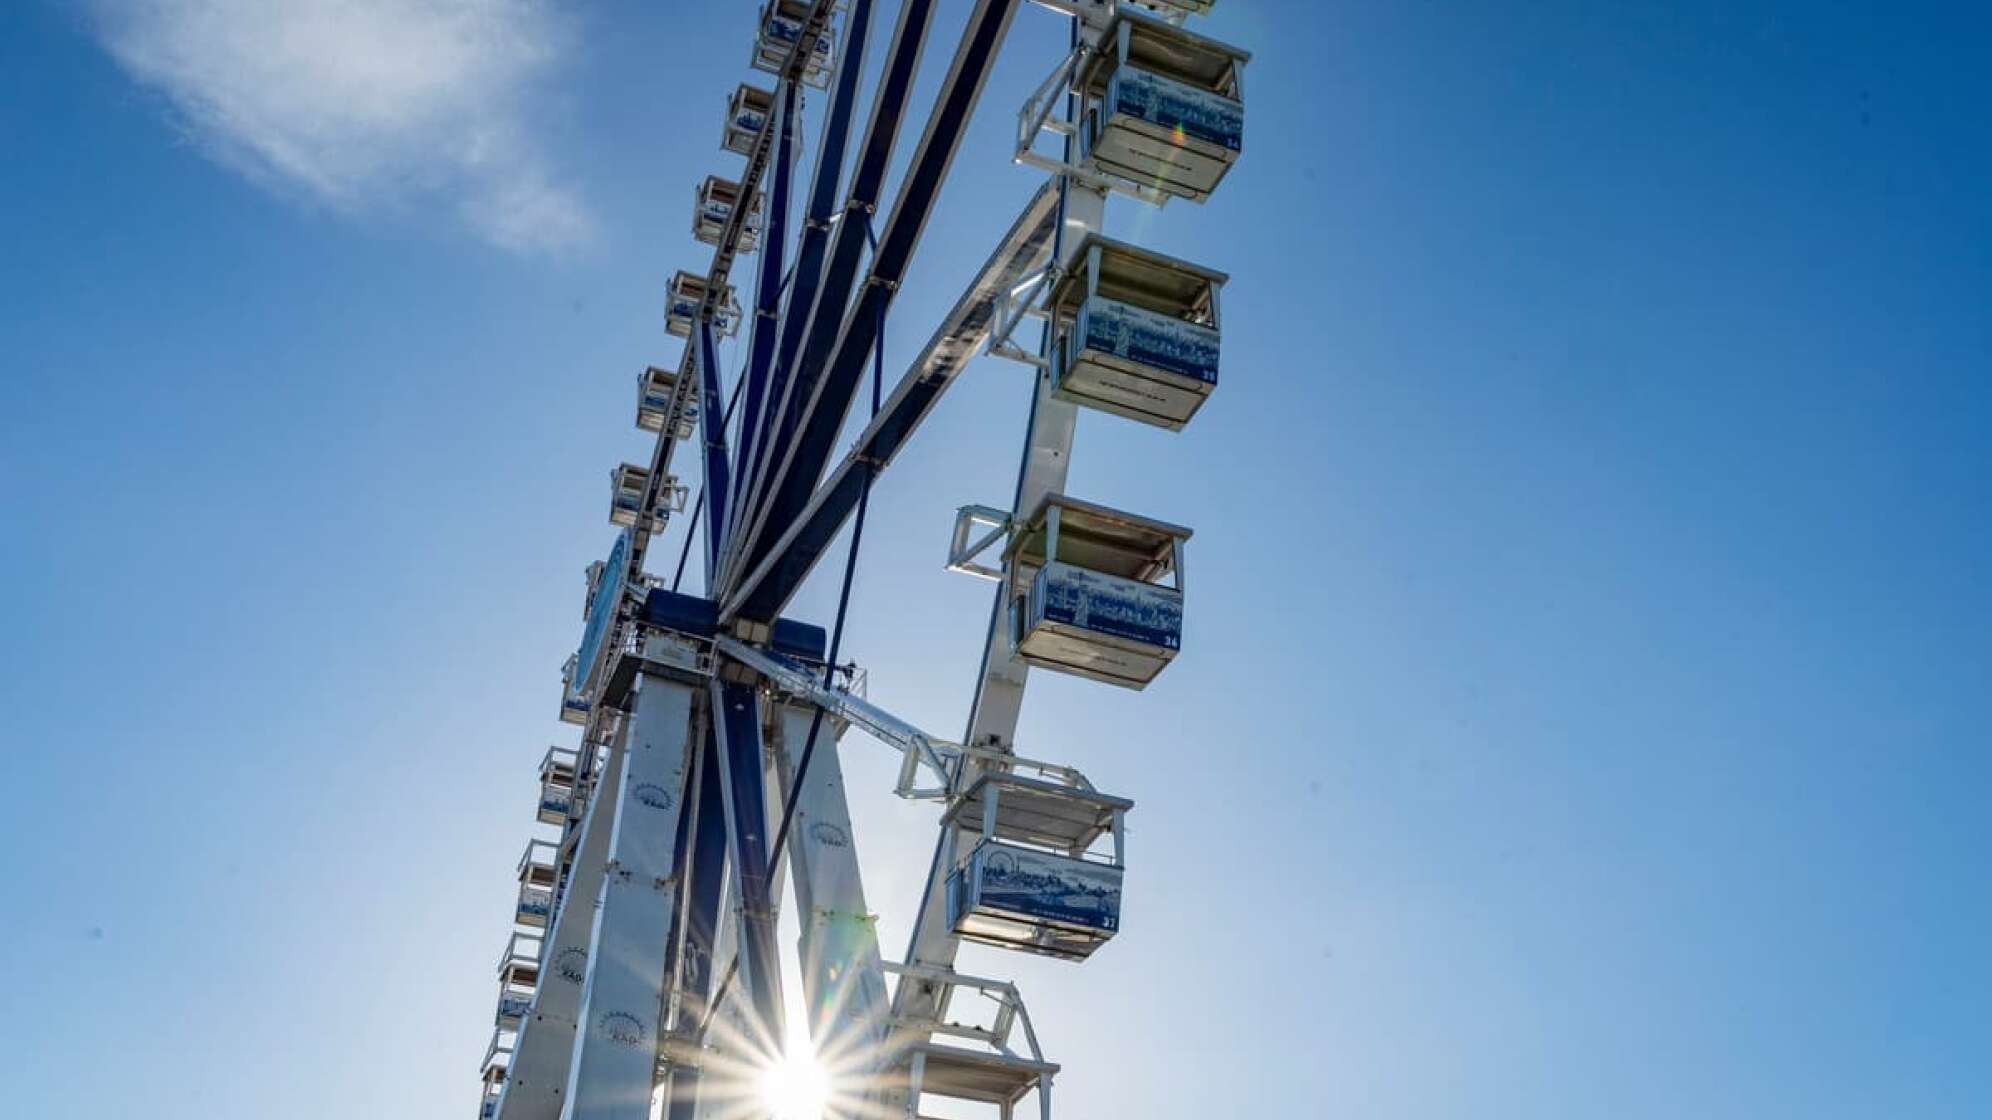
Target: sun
796 1087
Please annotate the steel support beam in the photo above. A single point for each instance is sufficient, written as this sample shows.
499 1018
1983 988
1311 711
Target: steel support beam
764 335
843 978
698 924
837 362
720 271
736 717
712 430
622 1003
823 314
1025 248
833 139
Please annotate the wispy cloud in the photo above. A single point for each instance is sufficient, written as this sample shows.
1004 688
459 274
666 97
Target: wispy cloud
366 104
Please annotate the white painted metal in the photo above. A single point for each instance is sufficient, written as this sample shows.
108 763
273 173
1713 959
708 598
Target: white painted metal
989 1070
977 530
919 749
615 1047
843 978
999 695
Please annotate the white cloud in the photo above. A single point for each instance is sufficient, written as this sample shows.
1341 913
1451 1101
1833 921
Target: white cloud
365 104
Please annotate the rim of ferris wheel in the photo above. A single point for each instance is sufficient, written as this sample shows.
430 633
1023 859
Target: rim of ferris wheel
1063 813
687 295
556 773
1164 107
1083 586
1138 332
747 111
712 208
780 25
656 388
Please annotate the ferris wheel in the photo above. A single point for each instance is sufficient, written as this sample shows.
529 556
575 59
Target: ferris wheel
643 973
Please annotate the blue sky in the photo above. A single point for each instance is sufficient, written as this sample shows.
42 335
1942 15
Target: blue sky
1588 668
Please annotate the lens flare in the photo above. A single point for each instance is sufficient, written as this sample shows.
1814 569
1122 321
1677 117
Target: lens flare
796 1086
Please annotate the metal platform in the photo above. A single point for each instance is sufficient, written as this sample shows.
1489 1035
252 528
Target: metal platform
973 1075
1097 538
1036 811
994 1074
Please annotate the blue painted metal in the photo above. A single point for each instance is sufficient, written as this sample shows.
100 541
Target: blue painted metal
835 353
1027 244
758 154
824 184
712 426
736 717
691 614
700 910
767 308
826 305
